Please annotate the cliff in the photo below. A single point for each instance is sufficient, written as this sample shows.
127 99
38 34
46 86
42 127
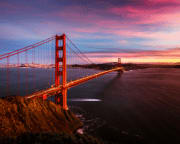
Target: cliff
19 115
36 121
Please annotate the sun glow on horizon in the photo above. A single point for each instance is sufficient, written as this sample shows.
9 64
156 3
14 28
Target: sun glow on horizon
137 60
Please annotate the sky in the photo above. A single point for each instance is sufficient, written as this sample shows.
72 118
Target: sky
134 30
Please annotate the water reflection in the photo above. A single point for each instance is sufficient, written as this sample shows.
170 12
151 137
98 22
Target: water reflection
83 100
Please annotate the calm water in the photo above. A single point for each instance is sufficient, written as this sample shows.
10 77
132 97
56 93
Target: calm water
140 104
143 103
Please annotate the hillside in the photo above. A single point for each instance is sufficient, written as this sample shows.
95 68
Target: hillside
18 115
37 121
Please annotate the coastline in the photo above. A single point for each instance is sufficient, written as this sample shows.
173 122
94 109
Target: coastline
103 66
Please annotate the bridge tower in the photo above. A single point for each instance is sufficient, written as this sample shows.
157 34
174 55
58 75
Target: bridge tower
119 61
119 65
60 68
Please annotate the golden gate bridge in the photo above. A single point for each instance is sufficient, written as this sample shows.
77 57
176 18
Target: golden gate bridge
57 53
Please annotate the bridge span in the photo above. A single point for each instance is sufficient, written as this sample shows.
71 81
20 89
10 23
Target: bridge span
56 90
60 85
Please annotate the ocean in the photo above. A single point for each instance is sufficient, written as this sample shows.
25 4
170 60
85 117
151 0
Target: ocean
139 106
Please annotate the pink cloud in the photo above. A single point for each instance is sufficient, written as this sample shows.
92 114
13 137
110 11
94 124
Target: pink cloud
95 22
148 15
121 22
174 35
123 42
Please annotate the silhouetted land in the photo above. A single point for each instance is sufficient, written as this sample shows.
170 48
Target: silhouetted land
127 66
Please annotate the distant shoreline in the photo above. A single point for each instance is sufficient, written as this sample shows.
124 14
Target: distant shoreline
128 66
103 66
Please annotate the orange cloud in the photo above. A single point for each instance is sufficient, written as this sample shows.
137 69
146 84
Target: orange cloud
170 55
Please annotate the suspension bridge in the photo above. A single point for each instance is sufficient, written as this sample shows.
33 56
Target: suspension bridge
46 69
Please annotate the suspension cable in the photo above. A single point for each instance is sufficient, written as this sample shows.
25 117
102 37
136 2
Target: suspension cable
26 48
82 58
80 51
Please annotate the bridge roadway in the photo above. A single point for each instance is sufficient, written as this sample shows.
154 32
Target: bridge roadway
55 90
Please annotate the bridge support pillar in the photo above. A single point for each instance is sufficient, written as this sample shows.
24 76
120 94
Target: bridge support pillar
44 97
60 71
119 65
58 98
64 94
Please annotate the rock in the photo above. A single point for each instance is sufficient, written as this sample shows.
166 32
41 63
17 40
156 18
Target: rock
19 115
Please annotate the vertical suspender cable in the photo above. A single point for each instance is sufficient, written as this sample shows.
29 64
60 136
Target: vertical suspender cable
7 77
18 75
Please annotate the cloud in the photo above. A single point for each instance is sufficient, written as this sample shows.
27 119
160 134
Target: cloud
123 42
14 32
94 25
169 55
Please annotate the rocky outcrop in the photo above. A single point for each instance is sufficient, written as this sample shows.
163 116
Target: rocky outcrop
19 115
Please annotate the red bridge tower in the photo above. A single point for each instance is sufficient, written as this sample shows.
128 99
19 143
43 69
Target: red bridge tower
60 68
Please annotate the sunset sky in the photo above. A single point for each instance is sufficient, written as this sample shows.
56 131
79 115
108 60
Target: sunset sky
135 30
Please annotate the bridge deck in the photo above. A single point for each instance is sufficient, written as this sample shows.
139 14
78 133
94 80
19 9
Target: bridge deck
55 90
